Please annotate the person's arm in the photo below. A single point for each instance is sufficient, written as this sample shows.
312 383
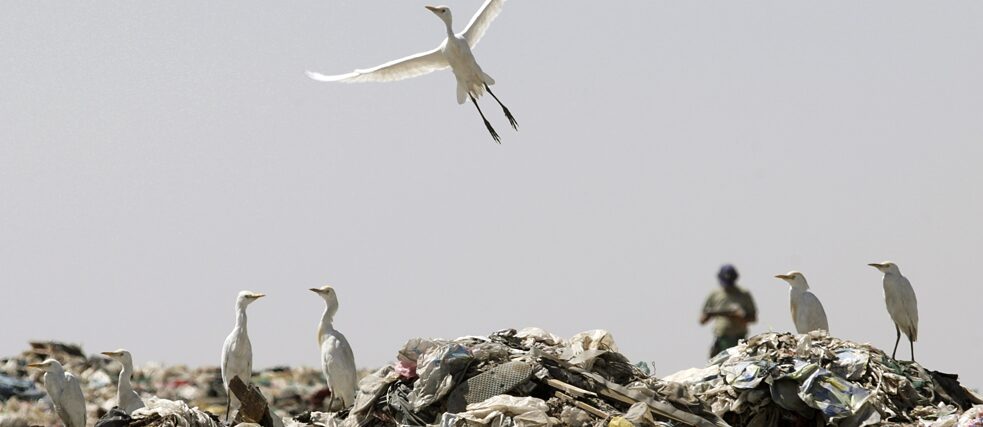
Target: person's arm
704 318
751 313
705 312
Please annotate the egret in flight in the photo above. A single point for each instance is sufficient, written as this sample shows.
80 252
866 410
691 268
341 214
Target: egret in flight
807 312
454 52
901 304
127 399
65 392
337 360
237 353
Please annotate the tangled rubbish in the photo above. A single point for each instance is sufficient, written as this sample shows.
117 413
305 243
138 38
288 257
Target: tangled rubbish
531 378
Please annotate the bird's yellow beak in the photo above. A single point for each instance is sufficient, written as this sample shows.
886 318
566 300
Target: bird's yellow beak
315 290
875 265
110 353
431 8
783 276
258 296
35 365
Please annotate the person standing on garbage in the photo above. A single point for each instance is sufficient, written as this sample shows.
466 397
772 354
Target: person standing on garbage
731 309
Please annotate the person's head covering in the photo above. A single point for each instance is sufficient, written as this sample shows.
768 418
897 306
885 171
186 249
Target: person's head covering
727 275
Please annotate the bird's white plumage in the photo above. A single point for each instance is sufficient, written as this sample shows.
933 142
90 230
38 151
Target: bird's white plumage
126 398
403 68
65 392
481 21
454 52
808 313
902 304
338 366
237 352
337 358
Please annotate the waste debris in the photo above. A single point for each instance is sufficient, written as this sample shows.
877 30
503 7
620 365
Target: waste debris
290 391
531 378
785 379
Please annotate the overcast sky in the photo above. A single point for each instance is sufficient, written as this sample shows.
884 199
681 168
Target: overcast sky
156 158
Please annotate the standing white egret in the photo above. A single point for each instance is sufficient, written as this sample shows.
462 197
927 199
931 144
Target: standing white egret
902 304
237 353
126 398
807 312
65 392
454 52
337 360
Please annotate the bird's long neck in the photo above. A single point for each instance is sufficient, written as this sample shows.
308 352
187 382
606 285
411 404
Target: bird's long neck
450 27
241 318
326 324
327 319
125 388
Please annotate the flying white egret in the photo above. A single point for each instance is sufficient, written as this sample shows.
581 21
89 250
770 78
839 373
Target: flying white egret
807 312
902 304
454 52
126 398
65 392
337 360
237 353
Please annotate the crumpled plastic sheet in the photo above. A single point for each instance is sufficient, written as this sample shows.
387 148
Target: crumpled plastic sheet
532 335
436 368
408 357
502 410
597 339
834 396
973 417
746 374
572 416
173 413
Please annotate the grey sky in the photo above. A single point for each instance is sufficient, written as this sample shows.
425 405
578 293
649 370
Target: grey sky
156 158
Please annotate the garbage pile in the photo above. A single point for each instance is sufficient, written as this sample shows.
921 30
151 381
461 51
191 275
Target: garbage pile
527 378
786 379
290 391
530 378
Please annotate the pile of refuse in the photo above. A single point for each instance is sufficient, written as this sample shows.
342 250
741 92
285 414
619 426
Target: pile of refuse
786 379
291 391
525 378
531 378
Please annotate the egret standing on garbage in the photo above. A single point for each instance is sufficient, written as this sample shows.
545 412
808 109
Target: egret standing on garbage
454 52
65 392
237 353
807 312
902 304
337 360
127 399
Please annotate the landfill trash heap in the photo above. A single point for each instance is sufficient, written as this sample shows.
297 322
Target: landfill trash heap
531 378
291 391
785 379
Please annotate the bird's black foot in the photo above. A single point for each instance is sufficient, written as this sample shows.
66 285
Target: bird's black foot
508 114
494 134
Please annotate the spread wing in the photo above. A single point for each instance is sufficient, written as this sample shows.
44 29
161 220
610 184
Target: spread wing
481 21
403 68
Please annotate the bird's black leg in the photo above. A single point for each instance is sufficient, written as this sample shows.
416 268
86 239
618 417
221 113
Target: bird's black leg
228 407
912 349
895 352
487 125
515 124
